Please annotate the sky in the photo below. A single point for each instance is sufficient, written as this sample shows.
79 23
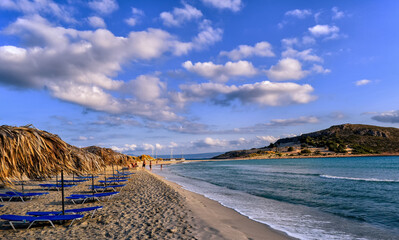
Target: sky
151 77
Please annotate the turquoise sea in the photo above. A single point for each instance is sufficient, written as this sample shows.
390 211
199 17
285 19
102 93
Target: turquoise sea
323 198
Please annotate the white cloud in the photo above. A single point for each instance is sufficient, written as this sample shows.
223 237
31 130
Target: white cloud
293 121
286 69
214 142
320 69
79 66
221 73
337 14
180 15
387 117
261 49
42 7
323 30
126 147
207 35
104 6
299 13
307 40
173 145
290 42
96 22
263 93
134 20
233 5
269 139
362 82
305 55
146 88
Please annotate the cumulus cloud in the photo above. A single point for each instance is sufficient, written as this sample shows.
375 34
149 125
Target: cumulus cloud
337 14
233 5
324 31
299 13
261 49
286 69
124 148
136 15
262 93
207 35
96 22
305 55
42 7
320 69
180 15
78 66
387 117
269 139
104 6
214 142
221 73
362 82
146 88
290 42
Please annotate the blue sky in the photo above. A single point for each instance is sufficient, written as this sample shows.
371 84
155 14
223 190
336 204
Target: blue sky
196 76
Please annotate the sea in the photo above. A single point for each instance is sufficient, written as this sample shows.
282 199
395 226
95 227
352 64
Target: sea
307 198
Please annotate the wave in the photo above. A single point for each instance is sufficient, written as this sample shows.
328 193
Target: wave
360 179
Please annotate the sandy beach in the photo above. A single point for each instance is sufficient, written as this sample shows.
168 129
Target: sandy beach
149 207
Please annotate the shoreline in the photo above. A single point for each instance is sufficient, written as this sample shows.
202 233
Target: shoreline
220 222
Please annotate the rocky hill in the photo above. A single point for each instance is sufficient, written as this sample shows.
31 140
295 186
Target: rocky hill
341 139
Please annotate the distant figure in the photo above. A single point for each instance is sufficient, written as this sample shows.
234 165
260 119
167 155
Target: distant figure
143 164
161 166
150 165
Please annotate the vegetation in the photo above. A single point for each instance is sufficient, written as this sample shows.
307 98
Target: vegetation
340 139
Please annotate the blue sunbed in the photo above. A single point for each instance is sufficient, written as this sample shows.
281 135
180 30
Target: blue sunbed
86 177
56 186
24 195
74 181
124 173
107 188
85 197
112 181
1 205
31 220
77 210
118 178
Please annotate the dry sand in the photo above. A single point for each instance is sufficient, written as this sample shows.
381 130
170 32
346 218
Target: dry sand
147 208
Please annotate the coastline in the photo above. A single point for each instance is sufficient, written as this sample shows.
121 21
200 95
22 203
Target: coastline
216 221
290 157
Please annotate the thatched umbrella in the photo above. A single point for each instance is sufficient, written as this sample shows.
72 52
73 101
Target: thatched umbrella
109 156
39 155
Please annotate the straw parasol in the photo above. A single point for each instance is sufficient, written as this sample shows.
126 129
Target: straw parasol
39 154
109 156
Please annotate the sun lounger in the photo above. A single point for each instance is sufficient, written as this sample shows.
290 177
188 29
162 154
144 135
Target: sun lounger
55 186
112 181
107 188
118 178
22 196
124 173
31 220
1 205
96 196
74 181
77 210
86 177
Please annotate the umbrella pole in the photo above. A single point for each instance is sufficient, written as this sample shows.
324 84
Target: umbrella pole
113 172
62 192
